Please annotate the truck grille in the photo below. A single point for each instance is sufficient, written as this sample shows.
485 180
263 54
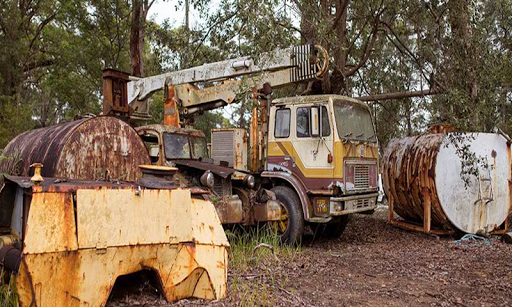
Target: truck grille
362 203
361 176
222 147
222 186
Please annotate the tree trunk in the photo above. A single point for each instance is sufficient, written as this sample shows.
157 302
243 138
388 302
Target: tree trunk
463 48
338 81
137 38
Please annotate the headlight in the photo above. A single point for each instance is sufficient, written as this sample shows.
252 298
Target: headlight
250 181
207 179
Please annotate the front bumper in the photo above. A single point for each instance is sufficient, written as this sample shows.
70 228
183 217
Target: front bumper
352 204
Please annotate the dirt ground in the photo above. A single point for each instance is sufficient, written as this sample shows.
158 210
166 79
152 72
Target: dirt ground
371 264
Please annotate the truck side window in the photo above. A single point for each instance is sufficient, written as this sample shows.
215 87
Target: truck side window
303 122
282 125
151 142
326 127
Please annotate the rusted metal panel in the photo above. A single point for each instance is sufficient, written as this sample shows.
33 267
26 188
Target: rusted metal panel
51 224
425 170
115 92
120 231
124 226
408 175
63 185
268 211
68 185
86 277
160 129
171 114
92 148
230 210
221 171
230 145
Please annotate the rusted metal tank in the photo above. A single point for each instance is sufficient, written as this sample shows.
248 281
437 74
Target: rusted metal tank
425 171
92 148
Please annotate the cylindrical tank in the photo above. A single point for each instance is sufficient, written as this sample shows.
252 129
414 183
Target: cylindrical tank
428 168
91 148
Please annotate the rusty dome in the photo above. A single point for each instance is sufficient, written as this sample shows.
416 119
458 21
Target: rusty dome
91 148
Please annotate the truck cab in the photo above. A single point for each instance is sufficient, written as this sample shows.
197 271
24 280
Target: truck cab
166 144
321 165
325 149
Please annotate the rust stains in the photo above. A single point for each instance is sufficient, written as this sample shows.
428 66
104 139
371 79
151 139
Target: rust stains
68 260
91 148
409 178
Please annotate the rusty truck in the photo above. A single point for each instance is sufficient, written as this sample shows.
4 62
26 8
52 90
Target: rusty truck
316 155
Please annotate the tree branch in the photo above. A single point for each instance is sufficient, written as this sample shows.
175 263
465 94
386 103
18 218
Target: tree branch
357 36
339 14
40 28
209 31
399 95
410 53
37 64
370 42
290 27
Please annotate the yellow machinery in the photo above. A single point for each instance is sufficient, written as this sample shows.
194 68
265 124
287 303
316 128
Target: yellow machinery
77 237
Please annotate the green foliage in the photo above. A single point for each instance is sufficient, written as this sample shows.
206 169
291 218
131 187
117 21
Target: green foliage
210 120
52 55
8 292
242 253
260 248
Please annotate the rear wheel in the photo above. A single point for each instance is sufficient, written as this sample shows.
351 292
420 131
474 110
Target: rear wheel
336 228
291 226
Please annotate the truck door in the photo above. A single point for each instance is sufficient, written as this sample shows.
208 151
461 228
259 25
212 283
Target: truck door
312 141
280 149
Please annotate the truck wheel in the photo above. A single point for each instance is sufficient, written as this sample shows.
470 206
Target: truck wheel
335 229
291 227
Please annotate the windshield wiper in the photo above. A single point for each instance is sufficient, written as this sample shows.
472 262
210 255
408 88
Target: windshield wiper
348 134
359 135
371 137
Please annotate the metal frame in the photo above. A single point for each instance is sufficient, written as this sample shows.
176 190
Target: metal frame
427 221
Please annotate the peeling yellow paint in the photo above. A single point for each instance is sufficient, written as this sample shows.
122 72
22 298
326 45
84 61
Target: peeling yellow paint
118 232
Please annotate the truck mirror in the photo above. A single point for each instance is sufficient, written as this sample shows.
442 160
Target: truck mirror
315 121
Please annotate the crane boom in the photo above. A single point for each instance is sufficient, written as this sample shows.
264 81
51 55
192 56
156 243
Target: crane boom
209 86
294 64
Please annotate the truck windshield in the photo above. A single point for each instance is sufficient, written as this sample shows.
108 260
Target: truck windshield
199 148
353 122
176 146
182 146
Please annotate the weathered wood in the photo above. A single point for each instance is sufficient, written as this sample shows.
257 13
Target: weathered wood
427 214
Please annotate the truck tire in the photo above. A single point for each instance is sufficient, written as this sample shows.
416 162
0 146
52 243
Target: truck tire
336 228
293 230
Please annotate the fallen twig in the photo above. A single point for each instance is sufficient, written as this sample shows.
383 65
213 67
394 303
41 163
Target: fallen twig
267 246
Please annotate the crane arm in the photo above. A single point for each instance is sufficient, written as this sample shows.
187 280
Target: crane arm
295 64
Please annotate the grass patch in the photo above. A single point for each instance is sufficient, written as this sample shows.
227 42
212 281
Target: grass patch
8 293
242 253
256 261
